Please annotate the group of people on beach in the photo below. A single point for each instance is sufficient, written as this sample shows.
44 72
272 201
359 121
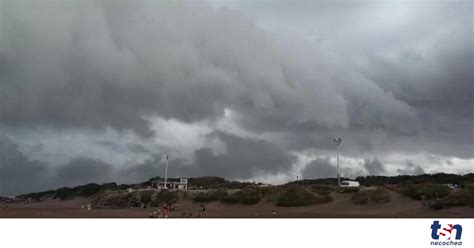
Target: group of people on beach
165 210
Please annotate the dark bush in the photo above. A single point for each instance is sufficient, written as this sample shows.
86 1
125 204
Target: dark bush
296 196
459 199
64 193
347 189
164 197
273 193
86 190
469 187
146 197
233 198
322 189
428 190
250 196
379 196
361 198
112 198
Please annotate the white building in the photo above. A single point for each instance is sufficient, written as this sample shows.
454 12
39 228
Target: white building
182 184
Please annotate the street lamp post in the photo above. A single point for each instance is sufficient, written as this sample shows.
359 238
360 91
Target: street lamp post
166 172
338 141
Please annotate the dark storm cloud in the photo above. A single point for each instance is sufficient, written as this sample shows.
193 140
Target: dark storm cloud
18 174
320 168
374 167
437 80
244 158
296 73
108 144
91 66
137 148
84 170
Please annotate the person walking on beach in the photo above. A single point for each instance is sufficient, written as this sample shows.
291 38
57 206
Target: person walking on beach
203 209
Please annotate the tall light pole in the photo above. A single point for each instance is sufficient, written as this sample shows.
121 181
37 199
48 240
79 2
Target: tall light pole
338 141
166 172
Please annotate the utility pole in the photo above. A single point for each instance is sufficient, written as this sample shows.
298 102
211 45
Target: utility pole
338 141
166 172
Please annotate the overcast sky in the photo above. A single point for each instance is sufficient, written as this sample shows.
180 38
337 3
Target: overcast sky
96 91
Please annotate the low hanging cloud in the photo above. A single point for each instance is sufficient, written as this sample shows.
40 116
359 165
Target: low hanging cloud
374 167
244 158
320 168
84 170
17 172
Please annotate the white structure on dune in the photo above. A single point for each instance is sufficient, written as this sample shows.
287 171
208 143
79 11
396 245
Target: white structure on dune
182 184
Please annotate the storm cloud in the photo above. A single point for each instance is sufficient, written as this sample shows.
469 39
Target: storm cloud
320 168
101 90
84 170
374 167
17 172
243 158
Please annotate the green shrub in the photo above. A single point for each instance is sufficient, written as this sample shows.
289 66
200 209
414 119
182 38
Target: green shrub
146 197
64 193
322 189
460 198
164 197
379 196
219 194
113 198
246 196
296 196
361 198
273 193
250 196
233 198
469 187
428 190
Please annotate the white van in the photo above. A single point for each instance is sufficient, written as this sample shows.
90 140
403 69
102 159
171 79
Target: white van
349 184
